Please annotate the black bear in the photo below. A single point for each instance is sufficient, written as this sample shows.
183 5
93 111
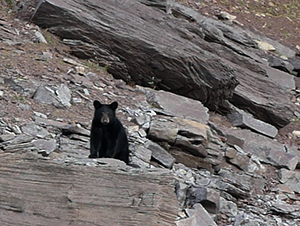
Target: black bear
108 138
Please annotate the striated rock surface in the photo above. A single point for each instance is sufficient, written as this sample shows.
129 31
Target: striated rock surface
60 194
190 55
220 175
135 52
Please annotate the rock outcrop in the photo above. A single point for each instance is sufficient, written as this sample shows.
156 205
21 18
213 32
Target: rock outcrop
33 193
221 174
192 55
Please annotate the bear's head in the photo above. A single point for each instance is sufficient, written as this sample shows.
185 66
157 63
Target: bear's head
105 113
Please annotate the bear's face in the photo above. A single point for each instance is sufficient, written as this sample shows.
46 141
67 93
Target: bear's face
105 113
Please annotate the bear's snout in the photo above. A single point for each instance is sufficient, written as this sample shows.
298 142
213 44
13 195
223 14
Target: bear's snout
105 118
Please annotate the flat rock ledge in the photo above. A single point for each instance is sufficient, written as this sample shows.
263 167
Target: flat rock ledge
39 192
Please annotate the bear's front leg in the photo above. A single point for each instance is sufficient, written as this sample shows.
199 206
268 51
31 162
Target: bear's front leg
111 148
95 142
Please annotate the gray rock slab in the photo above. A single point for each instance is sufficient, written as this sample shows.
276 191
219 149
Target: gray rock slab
186 144
228 207
292 211
140 155
50 122
19 139
163 129
64 95
208 197
45 147
67 192
160 154
6 137
75 129
46 96
290 178
247 121
148 60
268 150
197 216
242 161
20 148
35 130
186 134
179 106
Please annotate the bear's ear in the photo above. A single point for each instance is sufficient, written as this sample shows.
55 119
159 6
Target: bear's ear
114 105
97 104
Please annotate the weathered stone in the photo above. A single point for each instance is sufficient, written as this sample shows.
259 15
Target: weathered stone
79 137
223 15
290 178
296 64
179 106
35 130
22 138
191 160
197 216
265 46
240 184
160 154
6 137
184 71
242 161
181 190
64 95
141 156
185 143
188 135
46 96
244 120
209 198
268 150
280 64
40 37
74 148
163 129
75 192
21 147
233 140
286 209
45 147
16 129
75 129
194 69
271 105
228 207
50 122
193 130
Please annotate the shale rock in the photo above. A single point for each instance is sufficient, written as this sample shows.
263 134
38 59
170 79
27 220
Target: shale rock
77 194
184 69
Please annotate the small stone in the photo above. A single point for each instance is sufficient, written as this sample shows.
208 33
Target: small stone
40 37
76 100
80 70
296 133
39 114
265 46
226 16
16 129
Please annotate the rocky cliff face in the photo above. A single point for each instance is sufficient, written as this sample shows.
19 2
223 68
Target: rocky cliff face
188 165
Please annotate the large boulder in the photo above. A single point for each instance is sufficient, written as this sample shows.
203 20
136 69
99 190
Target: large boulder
191 55
141 44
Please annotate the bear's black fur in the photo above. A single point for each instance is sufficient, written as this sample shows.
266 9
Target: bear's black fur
108 138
